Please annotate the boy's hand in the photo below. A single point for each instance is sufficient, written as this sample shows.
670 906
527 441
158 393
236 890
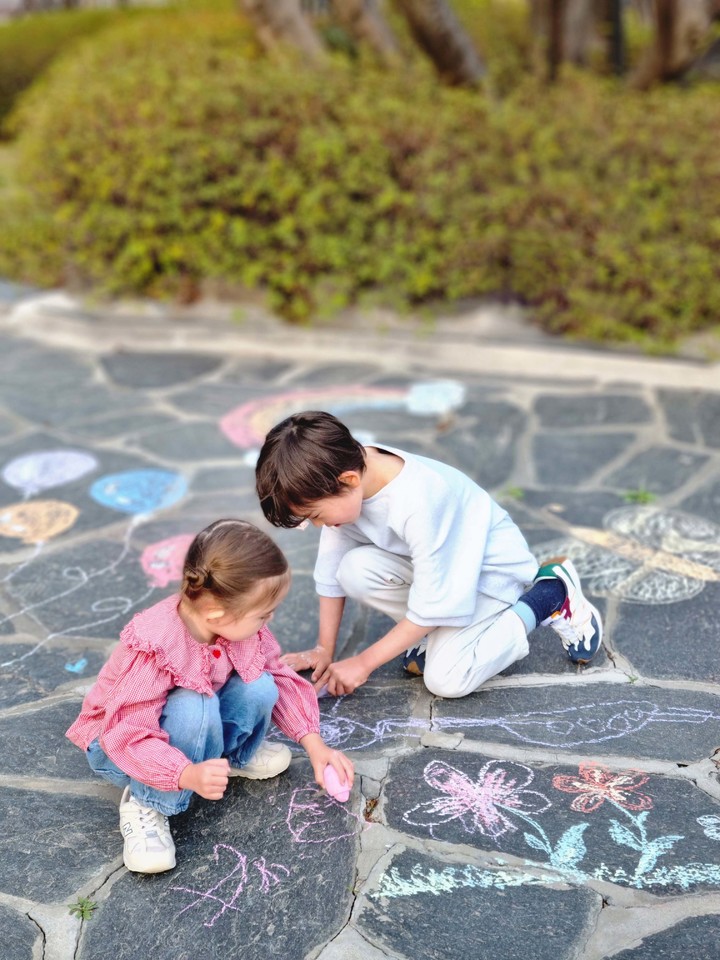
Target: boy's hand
320 754
209 778
317 660
344 676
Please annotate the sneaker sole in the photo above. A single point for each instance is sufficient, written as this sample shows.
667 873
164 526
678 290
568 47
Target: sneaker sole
155 868
598 621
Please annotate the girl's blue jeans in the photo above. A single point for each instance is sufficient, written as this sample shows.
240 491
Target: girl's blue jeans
231 723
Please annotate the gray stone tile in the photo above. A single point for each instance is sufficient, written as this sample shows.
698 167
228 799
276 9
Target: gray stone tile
623 826
657 470
18 934
430 910
567 459
672 640
586 508
692 416
486 449
131 427
188 442
232 478
54 843
591 410
157 370
39 673
705 502
696 938
269 867
40 748
679 726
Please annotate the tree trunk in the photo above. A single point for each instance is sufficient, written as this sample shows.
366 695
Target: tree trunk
579 30
281 22
439 33
556 38
681 27
364 20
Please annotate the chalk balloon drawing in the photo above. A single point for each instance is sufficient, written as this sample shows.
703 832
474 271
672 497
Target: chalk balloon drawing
163 561
247 425
139 491
45 469
36 521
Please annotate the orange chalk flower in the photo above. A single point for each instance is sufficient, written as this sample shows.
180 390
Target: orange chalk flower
596 784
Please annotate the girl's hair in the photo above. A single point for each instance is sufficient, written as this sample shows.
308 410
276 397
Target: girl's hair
230 559
301 461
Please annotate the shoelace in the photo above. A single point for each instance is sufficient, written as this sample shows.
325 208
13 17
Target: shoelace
151 822
574 636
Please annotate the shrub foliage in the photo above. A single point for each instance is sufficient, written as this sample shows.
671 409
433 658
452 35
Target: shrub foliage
162 156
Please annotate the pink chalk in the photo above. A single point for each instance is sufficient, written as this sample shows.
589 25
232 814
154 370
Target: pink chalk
322 692
333 786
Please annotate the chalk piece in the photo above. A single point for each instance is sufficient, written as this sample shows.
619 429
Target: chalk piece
323 691
333 786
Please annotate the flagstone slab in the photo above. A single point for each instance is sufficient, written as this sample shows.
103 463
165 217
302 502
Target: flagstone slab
693 416
32 678
188 442
569 459
705 502
680 726
40 747
130 426
18 935
675 641
622 826
266 872
426 909
696 938
591 410
53 843
156 370
658 470
581 508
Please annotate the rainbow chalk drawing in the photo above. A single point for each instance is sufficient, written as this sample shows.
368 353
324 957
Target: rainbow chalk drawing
45 469
498 801
645 554
225 894
246 426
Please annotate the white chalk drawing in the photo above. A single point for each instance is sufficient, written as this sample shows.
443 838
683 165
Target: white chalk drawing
392 884
316 817
498 802
225 894
45 469
589 723
645 554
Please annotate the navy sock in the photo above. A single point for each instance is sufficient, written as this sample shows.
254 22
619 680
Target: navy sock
544 598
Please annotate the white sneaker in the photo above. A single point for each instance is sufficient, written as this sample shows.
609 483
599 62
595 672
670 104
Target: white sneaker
269 760
149 846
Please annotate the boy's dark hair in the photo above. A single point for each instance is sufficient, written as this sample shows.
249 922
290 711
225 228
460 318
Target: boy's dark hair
301 461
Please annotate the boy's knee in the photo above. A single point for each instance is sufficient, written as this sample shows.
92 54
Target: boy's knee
355 571
447 686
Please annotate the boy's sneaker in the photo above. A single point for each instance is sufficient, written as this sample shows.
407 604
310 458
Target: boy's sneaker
414 661
269 760
149 846
577 622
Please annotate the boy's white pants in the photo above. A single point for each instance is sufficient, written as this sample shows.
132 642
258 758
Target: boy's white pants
458 659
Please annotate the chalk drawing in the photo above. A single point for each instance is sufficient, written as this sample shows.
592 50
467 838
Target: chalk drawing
645 554
315 817
45 469
35 523
163 561
590 723
246 426
497 802
225 894
392 884
139 491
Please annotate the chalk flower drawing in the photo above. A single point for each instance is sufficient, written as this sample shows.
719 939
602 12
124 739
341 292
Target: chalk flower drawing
596 784
225 894
711 826
480 805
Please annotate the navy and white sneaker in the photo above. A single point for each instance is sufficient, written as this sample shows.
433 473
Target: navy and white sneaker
414 660
578 623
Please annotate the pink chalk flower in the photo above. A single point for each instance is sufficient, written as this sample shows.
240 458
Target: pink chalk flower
596 784
482 805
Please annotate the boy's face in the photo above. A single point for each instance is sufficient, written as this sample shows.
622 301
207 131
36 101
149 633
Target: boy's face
335 511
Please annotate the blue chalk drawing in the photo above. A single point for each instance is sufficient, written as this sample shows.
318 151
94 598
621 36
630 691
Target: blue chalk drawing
139 491
76 667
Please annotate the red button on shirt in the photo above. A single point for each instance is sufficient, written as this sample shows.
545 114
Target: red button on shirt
217 654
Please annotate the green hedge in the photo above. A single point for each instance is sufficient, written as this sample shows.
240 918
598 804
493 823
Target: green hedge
599 207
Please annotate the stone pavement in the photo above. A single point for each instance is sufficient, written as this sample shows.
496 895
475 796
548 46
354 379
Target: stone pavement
561 813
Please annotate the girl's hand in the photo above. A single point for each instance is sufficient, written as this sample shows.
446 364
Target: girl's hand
317 660
208 779
320 755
